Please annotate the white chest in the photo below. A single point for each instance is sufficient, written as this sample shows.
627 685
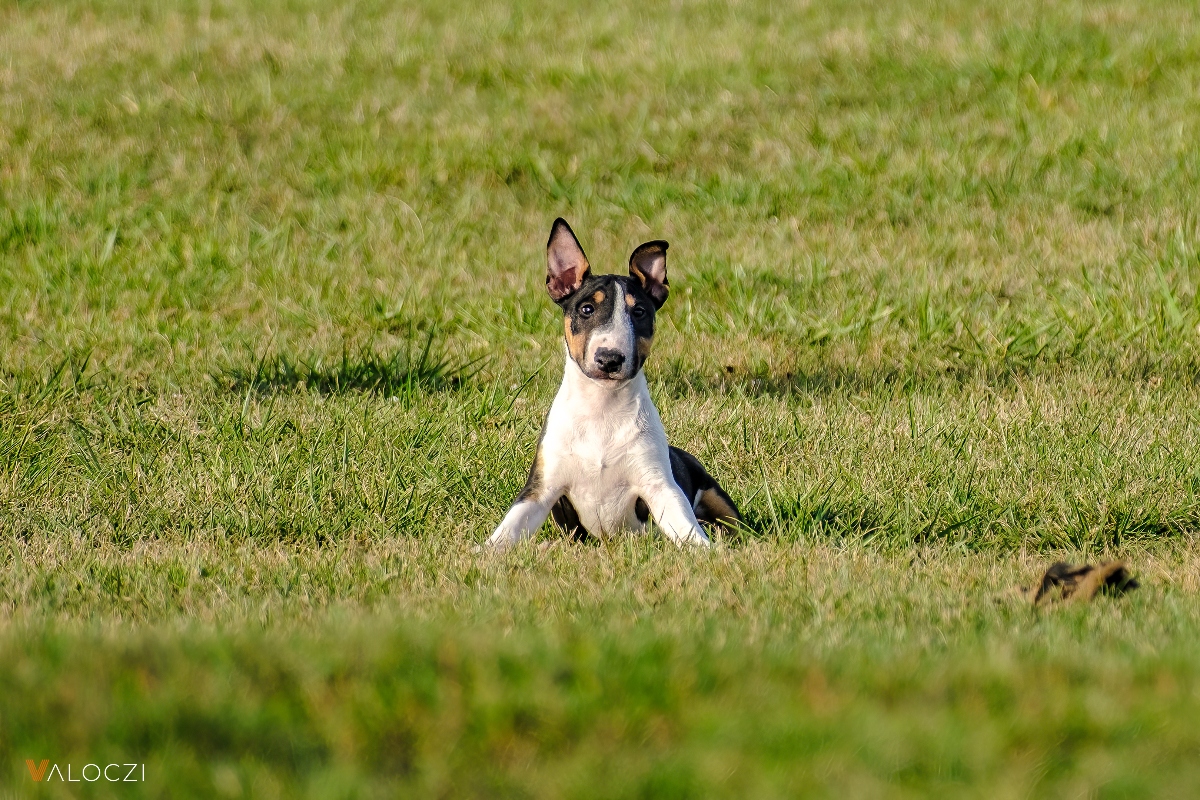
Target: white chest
601 450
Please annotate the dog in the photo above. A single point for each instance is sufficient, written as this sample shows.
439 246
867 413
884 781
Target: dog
603 464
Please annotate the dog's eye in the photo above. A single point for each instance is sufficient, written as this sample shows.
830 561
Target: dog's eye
638 312
586 310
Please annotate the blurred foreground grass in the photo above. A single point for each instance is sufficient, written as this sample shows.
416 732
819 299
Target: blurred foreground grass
630 671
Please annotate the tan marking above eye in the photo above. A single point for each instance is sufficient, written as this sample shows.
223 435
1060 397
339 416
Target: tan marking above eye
598 297
630 301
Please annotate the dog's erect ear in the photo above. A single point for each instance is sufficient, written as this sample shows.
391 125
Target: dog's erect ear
649 265
566 265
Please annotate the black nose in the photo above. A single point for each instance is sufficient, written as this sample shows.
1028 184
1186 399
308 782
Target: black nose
609 360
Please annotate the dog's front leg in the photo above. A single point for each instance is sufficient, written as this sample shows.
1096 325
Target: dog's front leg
523 519
673 513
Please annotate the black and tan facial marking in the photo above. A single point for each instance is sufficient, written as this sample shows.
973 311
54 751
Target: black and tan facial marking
608 320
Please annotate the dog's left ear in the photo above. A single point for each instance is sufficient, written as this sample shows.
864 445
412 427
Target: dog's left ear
649 265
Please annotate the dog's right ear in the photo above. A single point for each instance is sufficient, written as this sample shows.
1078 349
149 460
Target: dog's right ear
566 265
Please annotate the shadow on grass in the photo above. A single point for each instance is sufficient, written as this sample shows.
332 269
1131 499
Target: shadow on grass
413 369
830 514
819 513
681 381
681 378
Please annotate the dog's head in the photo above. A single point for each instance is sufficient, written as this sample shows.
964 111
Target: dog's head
608 319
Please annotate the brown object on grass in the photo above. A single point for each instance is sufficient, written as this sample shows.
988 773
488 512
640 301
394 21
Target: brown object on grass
1063 582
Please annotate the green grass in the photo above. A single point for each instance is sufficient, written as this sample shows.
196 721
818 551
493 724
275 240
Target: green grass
275 348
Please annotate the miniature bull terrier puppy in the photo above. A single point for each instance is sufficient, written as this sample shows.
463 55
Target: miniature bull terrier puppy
603 464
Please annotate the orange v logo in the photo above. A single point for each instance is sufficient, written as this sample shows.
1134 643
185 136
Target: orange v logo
37 774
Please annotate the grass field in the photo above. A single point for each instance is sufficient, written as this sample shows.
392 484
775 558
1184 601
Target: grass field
275 349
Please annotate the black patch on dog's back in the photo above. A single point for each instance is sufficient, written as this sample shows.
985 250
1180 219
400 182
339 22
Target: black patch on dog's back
714 506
